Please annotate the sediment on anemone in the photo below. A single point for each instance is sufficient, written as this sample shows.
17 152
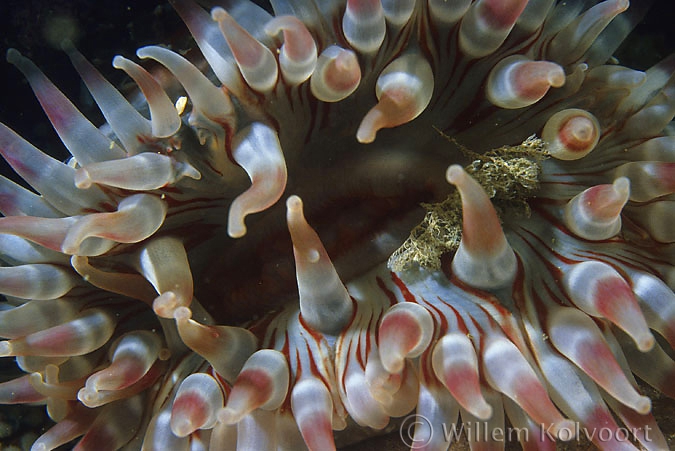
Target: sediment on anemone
216 276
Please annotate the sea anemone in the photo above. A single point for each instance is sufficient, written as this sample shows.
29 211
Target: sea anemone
346 212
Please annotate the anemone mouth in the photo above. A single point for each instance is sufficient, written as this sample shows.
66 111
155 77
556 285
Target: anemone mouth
362 200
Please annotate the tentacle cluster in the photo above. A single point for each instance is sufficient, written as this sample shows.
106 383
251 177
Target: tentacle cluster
544 317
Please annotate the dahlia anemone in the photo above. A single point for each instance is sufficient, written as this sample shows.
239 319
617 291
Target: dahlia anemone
158 299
